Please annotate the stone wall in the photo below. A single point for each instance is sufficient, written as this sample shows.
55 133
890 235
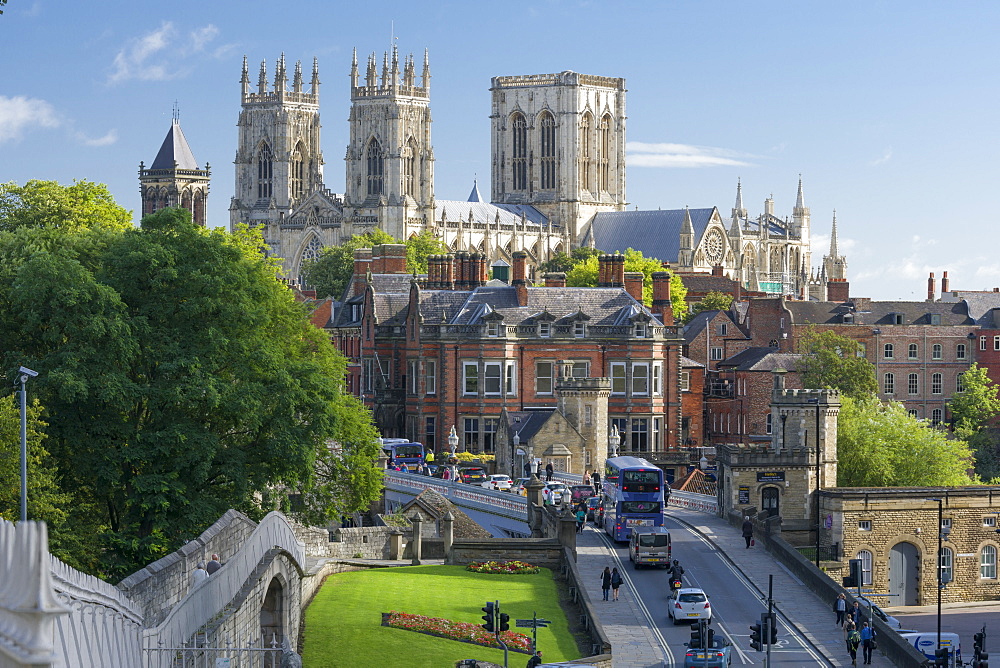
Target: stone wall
545 552
161 584
348 543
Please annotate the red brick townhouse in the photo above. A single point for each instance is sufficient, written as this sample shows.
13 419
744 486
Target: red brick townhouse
451 349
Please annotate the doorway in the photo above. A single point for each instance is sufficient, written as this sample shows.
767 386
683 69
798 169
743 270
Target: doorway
904 572
769 501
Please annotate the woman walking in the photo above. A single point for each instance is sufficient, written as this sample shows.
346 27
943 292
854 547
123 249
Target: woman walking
606 581
616 582
840 607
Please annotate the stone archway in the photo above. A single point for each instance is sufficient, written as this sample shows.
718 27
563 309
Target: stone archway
904 574
272 613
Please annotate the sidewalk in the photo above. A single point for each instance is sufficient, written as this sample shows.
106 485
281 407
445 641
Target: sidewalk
812 617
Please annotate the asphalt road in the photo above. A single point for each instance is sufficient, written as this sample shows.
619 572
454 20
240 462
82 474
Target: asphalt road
736 604
966 622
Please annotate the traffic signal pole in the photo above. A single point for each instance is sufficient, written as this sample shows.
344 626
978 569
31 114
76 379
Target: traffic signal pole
770 618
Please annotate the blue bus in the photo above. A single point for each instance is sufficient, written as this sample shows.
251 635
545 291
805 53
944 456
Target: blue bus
403 452
632 496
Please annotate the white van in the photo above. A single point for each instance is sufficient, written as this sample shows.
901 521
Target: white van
649 546
926 644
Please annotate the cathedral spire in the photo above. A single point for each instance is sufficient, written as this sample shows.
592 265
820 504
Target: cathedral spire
262 79
739 194
245 79
314 85
834 251
800 202
297 79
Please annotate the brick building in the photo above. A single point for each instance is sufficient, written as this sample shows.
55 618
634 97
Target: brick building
692 402
451 349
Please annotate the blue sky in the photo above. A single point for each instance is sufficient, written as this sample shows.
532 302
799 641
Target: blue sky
886 109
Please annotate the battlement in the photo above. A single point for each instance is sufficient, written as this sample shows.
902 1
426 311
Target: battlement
800 395
281 98
567 78
390 91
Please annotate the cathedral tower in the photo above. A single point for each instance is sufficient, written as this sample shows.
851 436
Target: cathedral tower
800 225
390 158
558 143
278 159
174 178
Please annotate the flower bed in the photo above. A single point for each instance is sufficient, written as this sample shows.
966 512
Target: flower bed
502 567
462 631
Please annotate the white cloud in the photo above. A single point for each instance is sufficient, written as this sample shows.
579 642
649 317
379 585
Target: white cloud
159 55
110 138
20 114
683 155
886 157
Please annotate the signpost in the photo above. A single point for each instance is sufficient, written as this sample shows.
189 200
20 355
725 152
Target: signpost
534 624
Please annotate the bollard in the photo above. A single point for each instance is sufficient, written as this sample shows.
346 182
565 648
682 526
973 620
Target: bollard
417 538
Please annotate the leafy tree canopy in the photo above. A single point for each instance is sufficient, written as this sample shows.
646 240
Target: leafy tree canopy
713 301
881 445
973 408
584 274
49 204
836 362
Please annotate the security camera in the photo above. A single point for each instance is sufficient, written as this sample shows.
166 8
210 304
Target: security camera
28 372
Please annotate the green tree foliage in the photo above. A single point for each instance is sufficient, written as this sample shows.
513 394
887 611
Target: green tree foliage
48 204
881 445
418 247
713 301
181 379
836 362
972 411
585 271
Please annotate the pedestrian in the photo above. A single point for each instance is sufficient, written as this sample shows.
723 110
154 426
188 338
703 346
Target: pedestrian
199 573
596 477
853 639
446 474
527 469
581 518
546 496
840 607
549 470
535 660
213 565
586 478
867 642
855 614
616 582
606 582
748 531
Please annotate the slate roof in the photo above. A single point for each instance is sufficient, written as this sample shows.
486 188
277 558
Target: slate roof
600 306
687 363
698 323
486 213
175 148
990 319
879 313
761 359
704 283
464 526
390 307
655 233
980 304
527 423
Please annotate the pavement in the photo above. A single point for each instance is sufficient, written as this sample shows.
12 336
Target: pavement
633 640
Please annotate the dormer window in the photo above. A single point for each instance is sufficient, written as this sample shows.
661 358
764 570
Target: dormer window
493 329
544 330
579 329
640 330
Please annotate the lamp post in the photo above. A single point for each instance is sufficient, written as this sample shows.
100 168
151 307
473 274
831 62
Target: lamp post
940 583
614 439
25 374
513 454
453 444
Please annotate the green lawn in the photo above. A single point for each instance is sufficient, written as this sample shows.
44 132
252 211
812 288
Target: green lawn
343 624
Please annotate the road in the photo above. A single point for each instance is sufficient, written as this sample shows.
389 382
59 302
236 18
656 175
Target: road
736 604
965 621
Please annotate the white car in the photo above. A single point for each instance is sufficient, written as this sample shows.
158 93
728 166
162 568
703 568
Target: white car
558 491
688 604
498 482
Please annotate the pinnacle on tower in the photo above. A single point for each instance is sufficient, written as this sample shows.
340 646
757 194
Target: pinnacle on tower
245 79
297 79
371 74
280 77
314 86
262 79
354 68
385 69
425 78
739 194
800 198
834 251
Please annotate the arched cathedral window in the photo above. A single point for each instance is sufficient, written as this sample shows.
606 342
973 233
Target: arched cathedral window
548 131
410 168
298 172
265 172
604 164
520 152
310 253
586 152
376 168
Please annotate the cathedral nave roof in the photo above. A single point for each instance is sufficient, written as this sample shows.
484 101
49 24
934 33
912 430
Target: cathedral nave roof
656 234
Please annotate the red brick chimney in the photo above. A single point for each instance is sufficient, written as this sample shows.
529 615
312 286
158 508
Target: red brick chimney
930 287
519 281
838 291
448 272
618 279
602 270
633 284
717 270
393 258
944 284
661 297
555 279
362 264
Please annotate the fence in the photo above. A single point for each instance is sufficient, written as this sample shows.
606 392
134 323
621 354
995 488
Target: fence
200 653
701 503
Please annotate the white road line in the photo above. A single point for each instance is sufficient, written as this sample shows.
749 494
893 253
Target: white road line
732 643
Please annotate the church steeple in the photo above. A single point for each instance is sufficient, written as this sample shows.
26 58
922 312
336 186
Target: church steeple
685 255
739 212
174 179
834 252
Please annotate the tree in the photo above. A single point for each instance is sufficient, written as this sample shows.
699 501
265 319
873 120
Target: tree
881 445
330 273
419 247
836 362
584 274
181 378
713 301
972 411
49 204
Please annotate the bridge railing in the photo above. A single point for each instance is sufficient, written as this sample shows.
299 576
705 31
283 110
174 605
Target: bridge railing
702 503
202 602
487 500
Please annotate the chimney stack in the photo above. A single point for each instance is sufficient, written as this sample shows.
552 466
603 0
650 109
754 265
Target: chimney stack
603 271
930 287
717 270
519 282
555 279
838 290
618 279
448 272
362 264
944 284
633 284
661 297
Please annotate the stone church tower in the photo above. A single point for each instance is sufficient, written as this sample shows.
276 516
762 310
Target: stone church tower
174 179
390 158
558 143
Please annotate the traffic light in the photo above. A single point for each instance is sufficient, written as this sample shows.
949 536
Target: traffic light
696 635
756 637
710 639
772 625
979 654
978 642
504 622
941 657
854 579
489 618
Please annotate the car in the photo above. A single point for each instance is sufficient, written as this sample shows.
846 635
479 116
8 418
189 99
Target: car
719 655
689 603
580 493
876 611
593 503
498 481
559 491
472 475
520 486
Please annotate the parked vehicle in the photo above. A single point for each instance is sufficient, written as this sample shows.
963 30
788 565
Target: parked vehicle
650 547
876 611
688 604
472 475
719 655
559 492
520 486
498 481
926 644
593 505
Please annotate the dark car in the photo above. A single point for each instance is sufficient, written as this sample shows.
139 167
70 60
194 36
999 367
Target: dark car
593 504
473 475
580 493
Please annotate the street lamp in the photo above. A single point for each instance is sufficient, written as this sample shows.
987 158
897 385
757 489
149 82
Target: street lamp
453 444
614 439
516 441
25 374
940 578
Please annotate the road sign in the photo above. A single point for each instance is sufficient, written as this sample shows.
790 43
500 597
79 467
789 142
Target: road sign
531 623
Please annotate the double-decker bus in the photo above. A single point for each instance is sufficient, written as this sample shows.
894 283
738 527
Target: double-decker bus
403 452
632 496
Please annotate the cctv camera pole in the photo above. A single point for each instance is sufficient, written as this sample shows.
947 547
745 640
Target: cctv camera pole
24 449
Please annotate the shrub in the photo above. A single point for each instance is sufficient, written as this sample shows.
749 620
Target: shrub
463 631
502 567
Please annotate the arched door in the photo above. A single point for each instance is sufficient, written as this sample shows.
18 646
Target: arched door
272 614
769 501
904 571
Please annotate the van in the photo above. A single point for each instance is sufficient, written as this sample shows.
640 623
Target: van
649 546
926 644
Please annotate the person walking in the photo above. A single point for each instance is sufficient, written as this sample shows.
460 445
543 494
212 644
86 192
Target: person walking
616 582
199 573
855 614
840 607
581 519
535 660
586 478
549 470
748 531
213 565
606 581
596 477
853 639
867 642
